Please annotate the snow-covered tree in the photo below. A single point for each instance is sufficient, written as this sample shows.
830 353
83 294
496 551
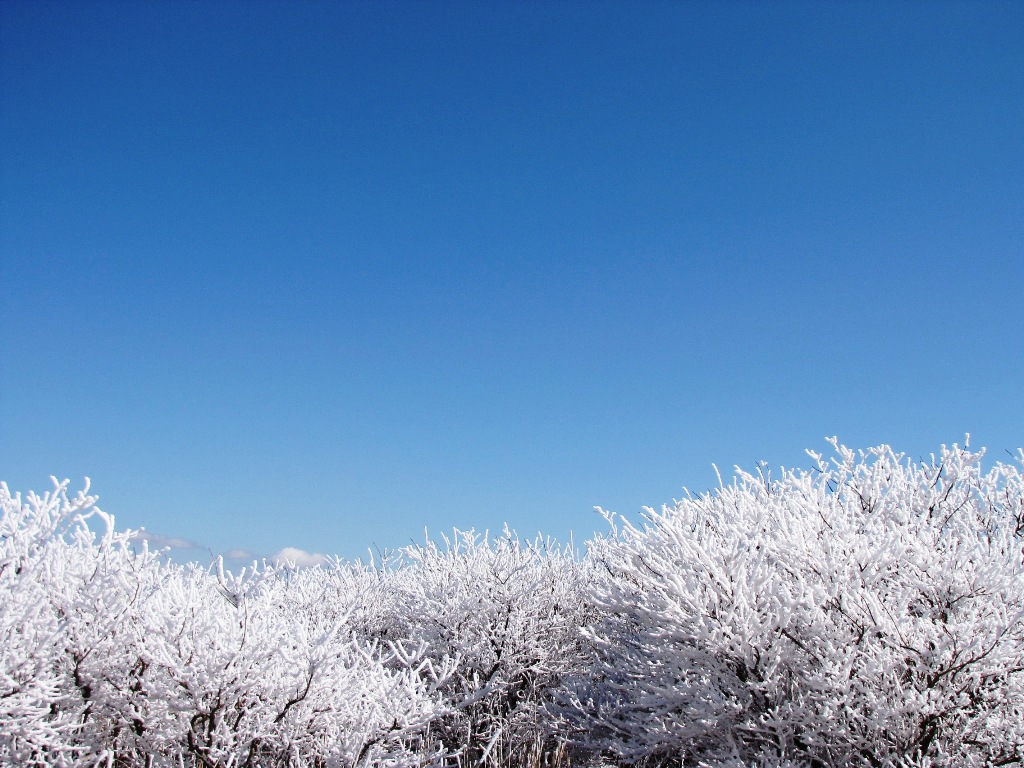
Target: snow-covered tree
262 684
66 595
869 612
30 681
509 611
113 656
866 612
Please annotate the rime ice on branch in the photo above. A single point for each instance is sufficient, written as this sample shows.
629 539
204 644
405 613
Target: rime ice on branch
110 656
868 611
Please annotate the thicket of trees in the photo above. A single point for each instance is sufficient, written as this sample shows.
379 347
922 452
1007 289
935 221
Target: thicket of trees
868 611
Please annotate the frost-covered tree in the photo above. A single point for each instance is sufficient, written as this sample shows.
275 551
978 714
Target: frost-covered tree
509 611
866 612
68 593
32 681
116 657
869 612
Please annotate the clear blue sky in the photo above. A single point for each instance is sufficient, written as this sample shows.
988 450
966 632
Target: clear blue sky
322 275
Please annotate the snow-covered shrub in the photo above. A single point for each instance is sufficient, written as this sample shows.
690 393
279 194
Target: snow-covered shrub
509 611
30 638
110 656
240 672
66 596
359 595
868 612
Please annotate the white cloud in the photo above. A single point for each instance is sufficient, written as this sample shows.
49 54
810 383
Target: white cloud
157 541
240 554
233 557
299 557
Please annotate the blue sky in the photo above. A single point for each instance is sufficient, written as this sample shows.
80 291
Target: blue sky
323 275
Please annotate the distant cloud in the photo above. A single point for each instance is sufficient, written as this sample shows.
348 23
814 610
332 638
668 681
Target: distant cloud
240 554
156 541
233 557
299 557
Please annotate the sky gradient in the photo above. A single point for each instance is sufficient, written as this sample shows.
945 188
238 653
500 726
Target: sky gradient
324 275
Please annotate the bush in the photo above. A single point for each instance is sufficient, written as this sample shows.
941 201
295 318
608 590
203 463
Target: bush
113 657
867 612
509 612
